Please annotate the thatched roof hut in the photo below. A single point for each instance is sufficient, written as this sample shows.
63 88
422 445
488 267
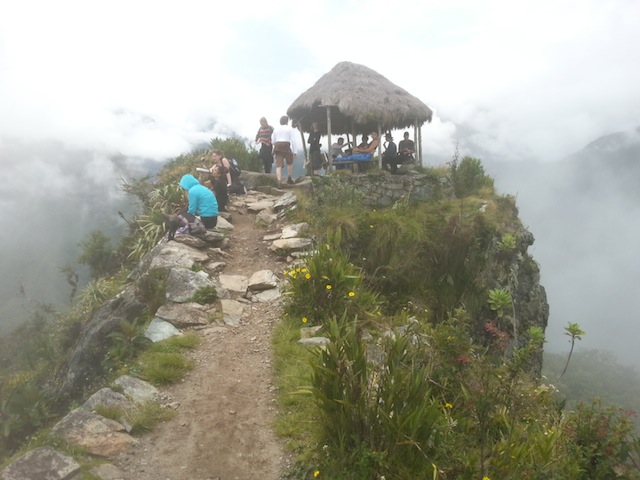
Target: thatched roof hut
355 99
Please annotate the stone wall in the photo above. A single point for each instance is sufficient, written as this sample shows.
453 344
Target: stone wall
382 189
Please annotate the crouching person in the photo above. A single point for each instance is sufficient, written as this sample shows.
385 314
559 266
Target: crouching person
202 201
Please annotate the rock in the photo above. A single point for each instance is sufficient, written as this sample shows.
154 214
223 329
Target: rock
42 463
272 237
183 314
159 330
292 231
84 362
223 225
215 267
105 397
234 283
287 200
314 341
213 238
183 283
137 390
309 332
286 245
262 280
100 436
174 254
267 295
232 312
256 207
191 241
265 217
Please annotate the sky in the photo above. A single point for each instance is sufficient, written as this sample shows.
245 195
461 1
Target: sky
84 85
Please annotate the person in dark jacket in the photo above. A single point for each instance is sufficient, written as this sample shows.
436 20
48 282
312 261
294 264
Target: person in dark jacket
390 155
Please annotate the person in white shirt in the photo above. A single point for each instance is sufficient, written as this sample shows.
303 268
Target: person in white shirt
283 143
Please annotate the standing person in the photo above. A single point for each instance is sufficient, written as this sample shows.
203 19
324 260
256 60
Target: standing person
202 201
283 142
390 154
314 148
263 138
406 149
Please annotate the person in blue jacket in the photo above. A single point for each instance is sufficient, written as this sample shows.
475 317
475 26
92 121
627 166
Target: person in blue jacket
202 201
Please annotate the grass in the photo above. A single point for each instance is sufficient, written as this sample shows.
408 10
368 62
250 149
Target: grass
164 362
296 419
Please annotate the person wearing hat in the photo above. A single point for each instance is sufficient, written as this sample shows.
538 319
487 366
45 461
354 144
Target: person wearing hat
390 154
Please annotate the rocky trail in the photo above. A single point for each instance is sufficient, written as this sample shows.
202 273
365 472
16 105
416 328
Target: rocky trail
226 404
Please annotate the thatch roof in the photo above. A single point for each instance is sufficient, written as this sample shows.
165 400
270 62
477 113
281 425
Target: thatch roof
360 96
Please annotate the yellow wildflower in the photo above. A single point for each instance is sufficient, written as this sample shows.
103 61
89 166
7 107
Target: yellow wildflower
352 294
486 478
305 319
448 405
316 473
328 287
307 276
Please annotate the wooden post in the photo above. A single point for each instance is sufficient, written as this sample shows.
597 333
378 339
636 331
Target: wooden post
419 143
307 162
329 137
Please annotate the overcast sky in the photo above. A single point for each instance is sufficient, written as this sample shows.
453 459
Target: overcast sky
524 80
533 79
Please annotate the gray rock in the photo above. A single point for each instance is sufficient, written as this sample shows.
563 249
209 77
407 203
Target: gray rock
42 463
256 207
191 241
223 225
183 314
287 200
213 238
100 436
267 295
314 341
292 231
265 217
137 390
159 330
174 254
232 312
105 397
286 245
234 283
272 237
309 332
183 283
262 280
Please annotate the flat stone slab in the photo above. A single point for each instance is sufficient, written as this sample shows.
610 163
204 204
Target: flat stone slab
100 436
183 315
232 312
42 463
159 330
137 390
262 280
290 244
174 254
267 295
183 283
234 283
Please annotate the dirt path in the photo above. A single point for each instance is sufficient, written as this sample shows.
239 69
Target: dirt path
223 427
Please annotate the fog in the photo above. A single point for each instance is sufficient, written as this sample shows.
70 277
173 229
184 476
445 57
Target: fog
91 92
584 212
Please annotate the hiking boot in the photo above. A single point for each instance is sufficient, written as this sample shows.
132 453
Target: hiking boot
290 181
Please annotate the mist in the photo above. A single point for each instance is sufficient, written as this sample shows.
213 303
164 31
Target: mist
52 197
583 212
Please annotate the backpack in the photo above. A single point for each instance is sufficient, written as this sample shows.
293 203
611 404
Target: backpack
234 168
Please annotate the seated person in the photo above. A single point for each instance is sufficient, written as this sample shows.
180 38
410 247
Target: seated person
406 149
336 148
390 155
371 146
365 141
202 201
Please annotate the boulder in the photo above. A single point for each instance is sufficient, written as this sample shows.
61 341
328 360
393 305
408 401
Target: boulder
42 463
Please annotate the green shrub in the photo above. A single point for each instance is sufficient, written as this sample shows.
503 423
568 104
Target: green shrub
160 368
205 295
326 285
